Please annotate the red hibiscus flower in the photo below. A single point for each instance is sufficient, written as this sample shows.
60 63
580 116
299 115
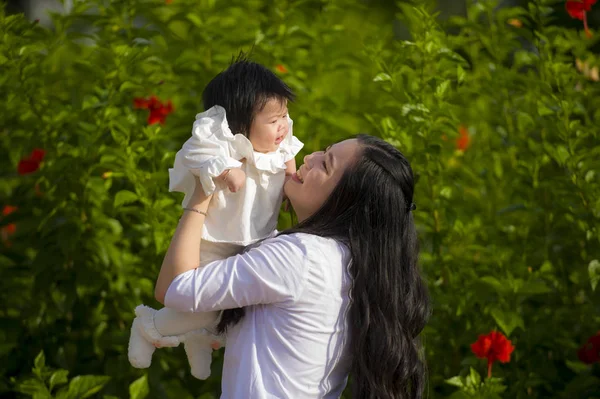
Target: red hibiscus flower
32 162
8 209
578 9
158 110
493 346
589 353
464 140
281 69
9 229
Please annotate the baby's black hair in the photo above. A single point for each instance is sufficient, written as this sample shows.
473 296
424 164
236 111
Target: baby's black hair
243 90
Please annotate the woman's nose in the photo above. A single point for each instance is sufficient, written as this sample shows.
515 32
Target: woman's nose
307 159
310 158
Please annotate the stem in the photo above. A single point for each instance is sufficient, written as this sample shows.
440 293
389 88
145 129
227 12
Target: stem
585 26
490 368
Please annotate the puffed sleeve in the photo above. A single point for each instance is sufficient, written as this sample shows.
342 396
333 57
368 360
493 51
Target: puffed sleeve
273 272
207 154
291 145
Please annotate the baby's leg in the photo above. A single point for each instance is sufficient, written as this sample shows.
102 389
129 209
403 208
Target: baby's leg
199 343
168 327
171 322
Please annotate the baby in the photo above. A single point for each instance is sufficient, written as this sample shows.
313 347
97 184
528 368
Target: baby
242 150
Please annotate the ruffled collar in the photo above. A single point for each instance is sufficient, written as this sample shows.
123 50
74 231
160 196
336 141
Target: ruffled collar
216 121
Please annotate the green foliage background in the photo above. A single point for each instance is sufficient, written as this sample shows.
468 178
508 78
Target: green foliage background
509 227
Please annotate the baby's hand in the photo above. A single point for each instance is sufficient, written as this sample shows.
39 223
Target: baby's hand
235 179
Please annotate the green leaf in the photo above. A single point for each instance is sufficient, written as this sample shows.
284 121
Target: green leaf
446 192
460 395
85 386
382 77
456 381
534 287
124 197
546 267
594 273
33 387
474 377
88 127
498 169
544 110
442 89
562 154
139 389
589 176
507 321
129 86
577 366
59 377
195 19
460 74
500 287
40 361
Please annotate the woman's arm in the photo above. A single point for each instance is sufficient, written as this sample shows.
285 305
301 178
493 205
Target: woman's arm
184 251
273 272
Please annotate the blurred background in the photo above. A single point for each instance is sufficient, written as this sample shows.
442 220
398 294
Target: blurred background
495 103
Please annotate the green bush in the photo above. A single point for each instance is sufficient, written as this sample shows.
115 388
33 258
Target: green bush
497 110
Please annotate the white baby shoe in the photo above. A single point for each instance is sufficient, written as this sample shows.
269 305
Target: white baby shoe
145 338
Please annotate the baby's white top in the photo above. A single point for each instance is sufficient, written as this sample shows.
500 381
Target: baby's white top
293 341
251 213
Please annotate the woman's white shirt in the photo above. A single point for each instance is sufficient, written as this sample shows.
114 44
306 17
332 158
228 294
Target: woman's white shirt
251 213
293 340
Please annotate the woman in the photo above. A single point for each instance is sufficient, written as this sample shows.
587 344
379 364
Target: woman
339 293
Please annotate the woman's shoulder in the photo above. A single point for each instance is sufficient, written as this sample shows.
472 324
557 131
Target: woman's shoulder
312 246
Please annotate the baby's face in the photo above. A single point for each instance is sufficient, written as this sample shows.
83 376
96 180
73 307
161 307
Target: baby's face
270 126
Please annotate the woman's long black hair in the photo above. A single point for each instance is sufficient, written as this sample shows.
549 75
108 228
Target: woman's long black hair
370 211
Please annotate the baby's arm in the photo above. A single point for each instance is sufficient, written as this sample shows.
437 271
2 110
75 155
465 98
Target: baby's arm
234 178
290 169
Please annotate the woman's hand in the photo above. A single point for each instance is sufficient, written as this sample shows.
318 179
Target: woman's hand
198 199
